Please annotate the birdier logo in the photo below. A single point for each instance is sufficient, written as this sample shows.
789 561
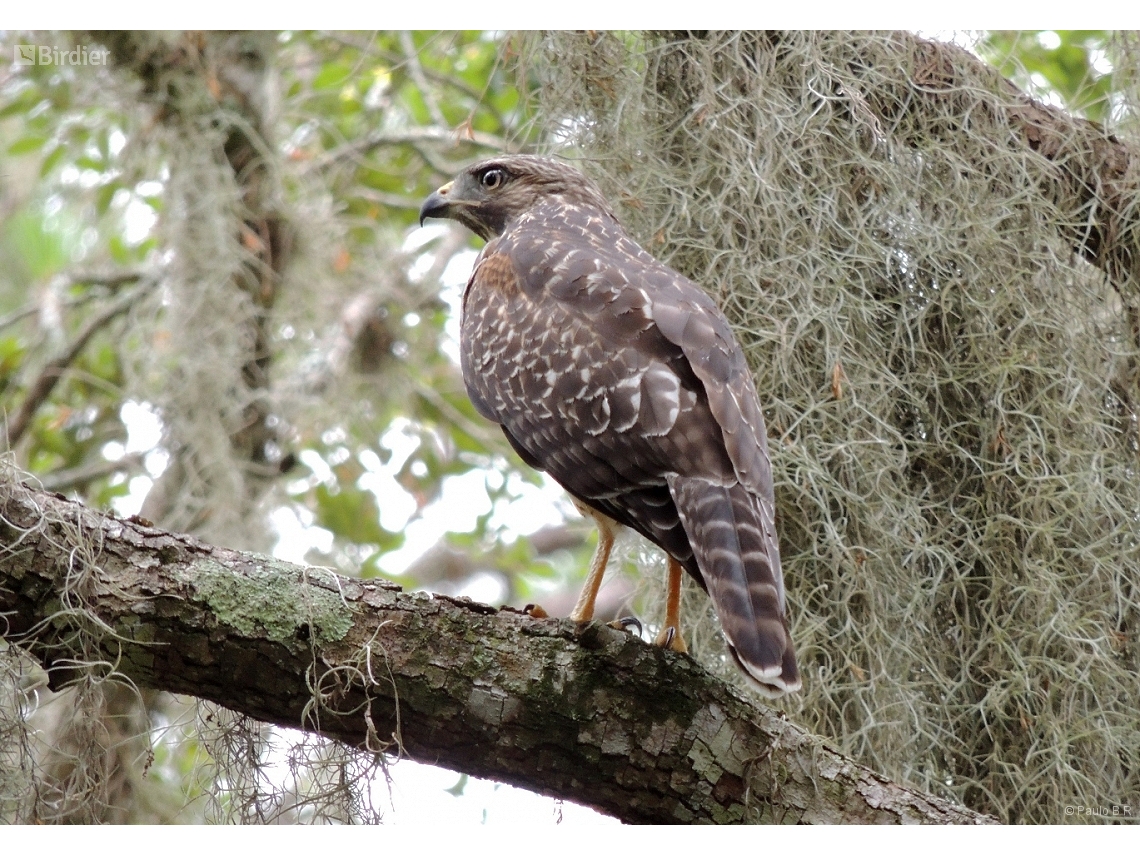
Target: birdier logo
48 55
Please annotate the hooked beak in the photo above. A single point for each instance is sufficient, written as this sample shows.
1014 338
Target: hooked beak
437 204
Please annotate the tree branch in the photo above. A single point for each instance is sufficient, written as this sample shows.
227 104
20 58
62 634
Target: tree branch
372 49
419 138
43 385
59 480
412 58
112 281
580 712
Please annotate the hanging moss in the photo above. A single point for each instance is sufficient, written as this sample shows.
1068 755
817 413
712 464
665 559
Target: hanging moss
953 445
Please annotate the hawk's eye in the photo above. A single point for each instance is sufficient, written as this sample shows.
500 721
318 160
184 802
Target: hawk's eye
493 179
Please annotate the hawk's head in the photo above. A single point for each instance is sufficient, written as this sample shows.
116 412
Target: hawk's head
491 194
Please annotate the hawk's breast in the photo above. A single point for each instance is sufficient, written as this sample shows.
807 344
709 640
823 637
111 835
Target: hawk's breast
560 347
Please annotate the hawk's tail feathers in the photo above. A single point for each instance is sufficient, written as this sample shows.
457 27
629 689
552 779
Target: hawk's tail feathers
732 533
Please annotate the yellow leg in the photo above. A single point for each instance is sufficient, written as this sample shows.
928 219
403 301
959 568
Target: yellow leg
670 635
584 610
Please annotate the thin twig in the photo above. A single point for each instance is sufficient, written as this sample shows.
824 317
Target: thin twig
69 479
43 385
388 200
411 136
429 73
417 73
111 281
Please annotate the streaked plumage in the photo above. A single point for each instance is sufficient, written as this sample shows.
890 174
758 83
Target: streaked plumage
622 379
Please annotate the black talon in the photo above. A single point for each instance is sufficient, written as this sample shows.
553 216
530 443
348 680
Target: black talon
625 623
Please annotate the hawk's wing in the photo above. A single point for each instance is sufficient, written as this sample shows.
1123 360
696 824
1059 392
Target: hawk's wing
622 379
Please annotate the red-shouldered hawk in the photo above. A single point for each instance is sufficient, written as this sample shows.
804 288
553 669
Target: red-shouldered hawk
621 378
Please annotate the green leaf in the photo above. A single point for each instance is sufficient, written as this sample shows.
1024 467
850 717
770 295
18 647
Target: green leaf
24 102
103 197
54 156
332 75
118 249
39 245
26 145
87 162
350 513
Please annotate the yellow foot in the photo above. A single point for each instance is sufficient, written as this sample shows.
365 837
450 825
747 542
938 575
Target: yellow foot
670 638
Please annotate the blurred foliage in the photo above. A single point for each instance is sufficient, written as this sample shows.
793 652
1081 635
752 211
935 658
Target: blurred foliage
359 129
368 123
1073 66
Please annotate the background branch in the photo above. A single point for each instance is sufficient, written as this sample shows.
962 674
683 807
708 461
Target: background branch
80 476
420 138
43 385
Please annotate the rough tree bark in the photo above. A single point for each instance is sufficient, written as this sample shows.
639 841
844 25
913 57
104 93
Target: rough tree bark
580 712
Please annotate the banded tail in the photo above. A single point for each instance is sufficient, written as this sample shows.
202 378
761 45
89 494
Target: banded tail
733 535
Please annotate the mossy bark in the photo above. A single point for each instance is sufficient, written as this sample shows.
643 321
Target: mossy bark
579 712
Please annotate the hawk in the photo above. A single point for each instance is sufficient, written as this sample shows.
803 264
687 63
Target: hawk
622 379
